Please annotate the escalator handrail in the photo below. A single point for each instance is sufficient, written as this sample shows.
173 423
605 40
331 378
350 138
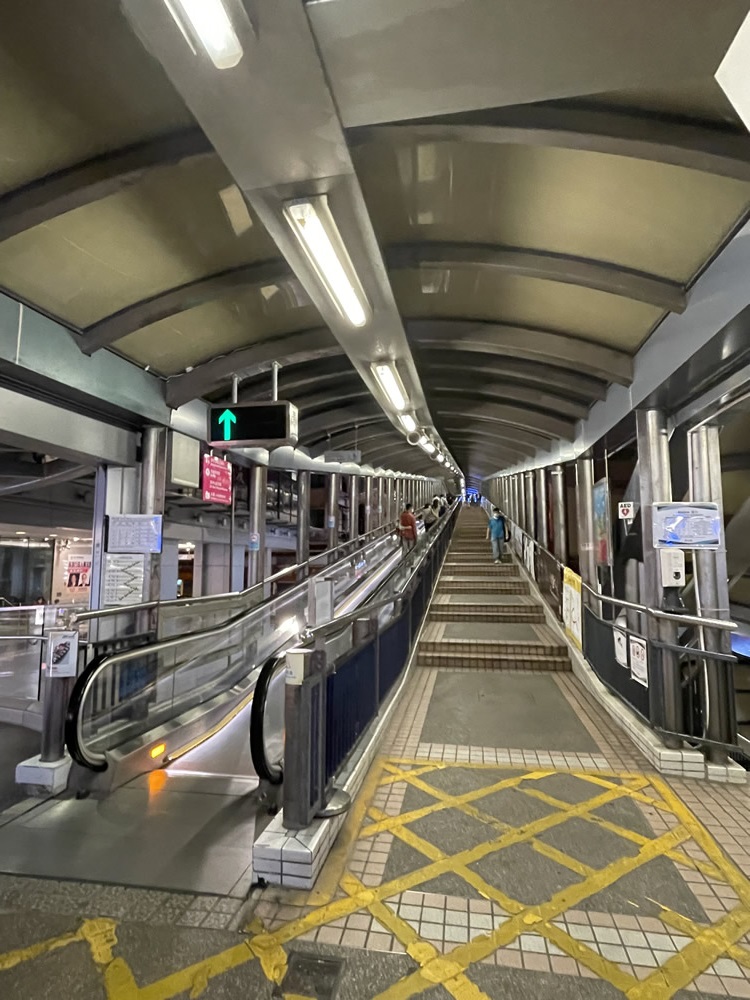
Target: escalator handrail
85 681
189 602
274 773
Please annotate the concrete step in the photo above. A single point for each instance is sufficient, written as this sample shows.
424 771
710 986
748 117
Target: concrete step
484 568
529 660
457 585
485 613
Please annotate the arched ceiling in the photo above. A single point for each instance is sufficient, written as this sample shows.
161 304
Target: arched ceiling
520 236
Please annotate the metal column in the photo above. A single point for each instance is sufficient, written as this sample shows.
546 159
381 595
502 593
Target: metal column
540 478
656 486
521 499
256 560
153 486
530 505
303 516
353 507
368 504
379 502
712 591
332 510
585 510
559 522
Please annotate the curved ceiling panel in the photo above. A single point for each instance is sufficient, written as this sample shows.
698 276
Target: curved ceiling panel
168 230
104 93
180 342
474 294
651 217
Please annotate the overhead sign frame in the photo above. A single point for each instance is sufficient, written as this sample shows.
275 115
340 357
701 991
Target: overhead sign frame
253 425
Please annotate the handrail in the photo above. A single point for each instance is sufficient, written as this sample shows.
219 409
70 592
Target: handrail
88 678
683 619
208 598
338 624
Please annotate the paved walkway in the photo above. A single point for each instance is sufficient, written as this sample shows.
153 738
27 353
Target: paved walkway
509 843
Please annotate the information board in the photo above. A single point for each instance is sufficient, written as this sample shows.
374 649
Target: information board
63 654
134 533
686 525
249 424
124 577
216 482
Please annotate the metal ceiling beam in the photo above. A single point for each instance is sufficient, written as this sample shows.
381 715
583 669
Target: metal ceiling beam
520 416
565 268
475 435
176 300
693 147
516 416
543 402
531 441
560 349
487 369
290 349
317 428
97 178
303 153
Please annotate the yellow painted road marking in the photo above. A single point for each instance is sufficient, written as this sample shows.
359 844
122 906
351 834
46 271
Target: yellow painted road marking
535 916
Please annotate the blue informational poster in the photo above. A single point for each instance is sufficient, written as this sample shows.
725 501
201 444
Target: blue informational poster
686 525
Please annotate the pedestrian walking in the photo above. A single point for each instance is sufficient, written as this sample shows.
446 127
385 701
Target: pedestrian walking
497 533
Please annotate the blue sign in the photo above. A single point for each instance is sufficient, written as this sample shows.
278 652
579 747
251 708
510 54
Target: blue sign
686 525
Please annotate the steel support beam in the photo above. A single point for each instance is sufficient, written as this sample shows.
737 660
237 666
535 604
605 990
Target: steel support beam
712 590
585 273
560 349
291 349
559 516
536 399
517 371
177 300
545 424
94 179
693 147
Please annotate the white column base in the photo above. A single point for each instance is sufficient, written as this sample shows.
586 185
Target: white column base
46 776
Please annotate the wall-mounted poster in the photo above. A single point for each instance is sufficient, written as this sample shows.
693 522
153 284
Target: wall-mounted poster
602 532
78 574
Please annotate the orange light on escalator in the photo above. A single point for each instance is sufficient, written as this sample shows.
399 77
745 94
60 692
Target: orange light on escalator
158 750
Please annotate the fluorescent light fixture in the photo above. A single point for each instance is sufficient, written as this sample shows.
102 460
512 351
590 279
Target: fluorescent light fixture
408 422
424 442
391 384
207 23
440 459
313 225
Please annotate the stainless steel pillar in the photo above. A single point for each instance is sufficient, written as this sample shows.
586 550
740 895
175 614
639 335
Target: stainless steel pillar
353 507
379 501
256 559
153 486
656 486
303 516
712 590
521 495
332 510
559 522
529 494
368 504
542 535
585 510
388 516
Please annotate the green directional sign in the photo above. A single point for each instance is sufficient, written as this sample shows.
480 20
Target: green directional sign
252 424
226 419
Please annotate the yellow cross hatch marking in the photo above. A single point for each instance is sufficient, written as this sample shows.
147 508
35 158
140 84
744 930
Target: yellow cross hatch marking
707 942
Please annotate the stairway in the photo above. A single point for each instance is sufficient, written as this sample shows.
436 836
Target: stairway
483 615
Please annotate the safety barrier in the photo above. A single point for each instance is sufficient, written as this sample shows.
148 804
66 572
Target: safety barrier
632 665
341 676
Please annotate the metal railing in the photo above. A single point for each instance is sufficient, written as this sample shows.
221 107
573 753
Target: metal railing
180 616
606 644
123 696
24 633
354 664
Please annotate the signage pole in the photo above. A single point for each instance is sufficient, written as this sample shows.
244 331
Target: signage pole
235 393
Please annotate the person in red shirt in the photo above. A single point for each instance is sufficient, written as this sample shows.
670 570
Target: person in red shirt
407 527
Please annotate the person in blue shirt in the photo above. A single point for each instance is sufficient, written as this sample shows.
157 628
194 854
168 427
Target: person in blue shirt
496 532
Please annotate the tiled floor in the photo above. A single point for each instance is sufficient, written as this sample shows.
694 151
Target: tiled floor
668 909
493 865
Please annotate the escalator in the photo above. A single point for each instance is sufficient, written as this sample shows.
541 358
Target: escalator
144 707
